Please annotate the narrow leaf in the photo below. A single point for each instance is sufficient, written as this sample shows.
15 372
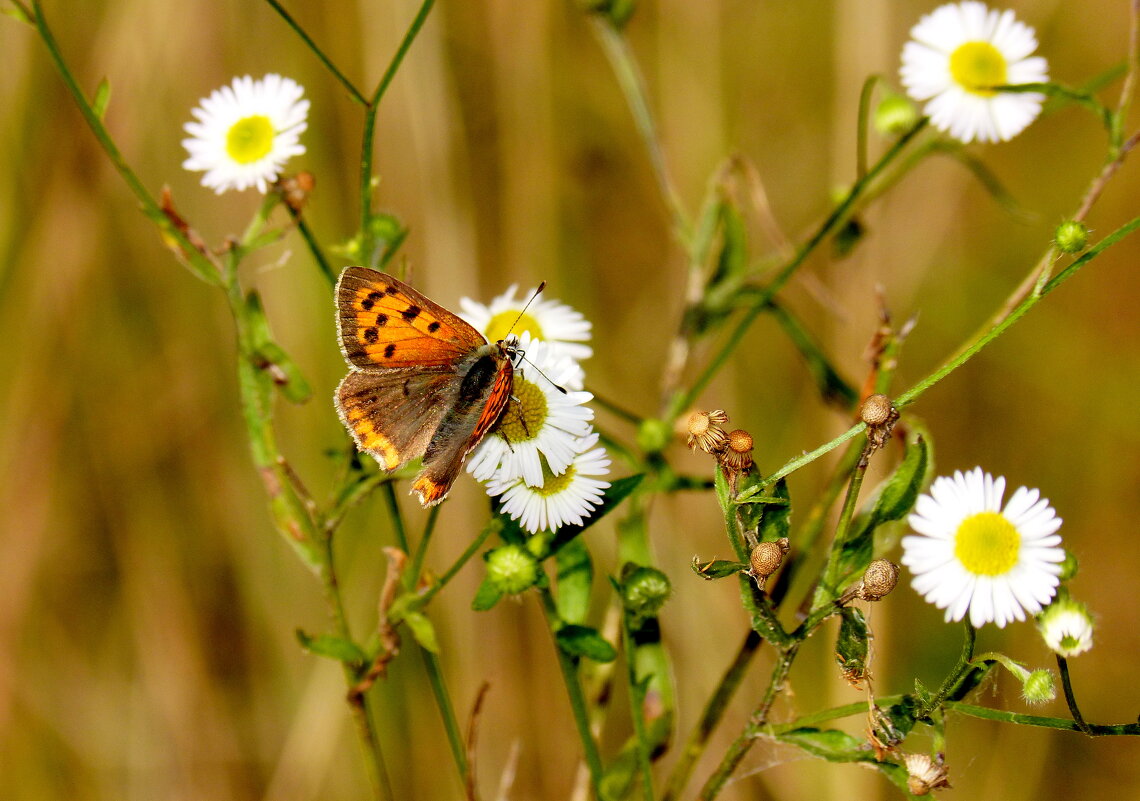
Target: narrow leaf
585 641
575 573
717 568
830 744
102 98
326 645
851 645
485 597
422 630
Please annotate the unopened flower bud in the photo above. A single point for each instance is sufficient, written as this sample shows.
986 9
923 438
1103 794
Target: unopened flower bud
879 579
1069 566
644 590
653 436
511 569
1067 627
1038 687
1071 237
895 115
766 558
876 410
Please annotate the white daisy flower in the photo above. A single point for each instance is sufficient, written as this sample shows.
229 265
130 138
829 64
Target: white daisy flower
567 498
973 555
540 419
1067 627
547 320
957 53
244 133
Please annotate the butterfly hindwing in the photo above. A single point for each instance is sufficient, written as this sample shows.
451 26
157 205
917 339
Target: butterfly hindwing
393 414
385 323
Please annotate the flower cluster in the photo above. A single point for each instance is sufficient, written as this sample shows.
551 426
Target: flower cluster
542 459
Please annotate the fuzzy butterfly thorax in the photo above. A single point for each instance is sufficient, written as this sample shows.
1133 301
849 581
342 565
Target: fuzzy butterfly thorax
423 382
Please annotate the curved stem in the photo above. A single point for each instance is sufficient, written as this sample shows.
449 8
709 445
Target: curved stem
308 40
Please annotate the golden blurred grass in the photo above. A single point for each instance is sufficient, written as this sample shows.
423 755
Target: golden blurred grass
146 636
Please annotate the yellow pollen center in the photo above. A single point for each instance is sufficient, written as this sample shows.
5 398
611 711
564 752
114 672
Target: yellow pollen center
250 139
977 66
526 416
987 544
552 484
504 323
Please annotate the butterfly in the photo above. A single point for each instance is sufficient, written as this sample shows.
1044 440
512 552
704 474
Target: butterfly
423 382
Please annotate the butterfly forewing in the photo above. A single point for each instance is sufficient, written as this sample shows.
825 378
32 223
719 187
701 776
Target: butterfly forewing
383 322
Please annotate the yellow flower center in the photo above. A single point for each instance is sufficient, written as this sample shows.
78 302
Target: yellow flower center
552 484
977 66
250 139
526 412
504 323
987 544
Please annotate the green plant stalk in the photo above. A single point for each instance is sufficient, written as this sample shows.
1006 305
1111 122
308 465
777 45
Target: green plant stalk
683 399
1061 724
616 47
494 525
954 678
636 707
324 59
711 716
742 744
195 261
314 247
861 126
828 590
569 668
368 140
1070 696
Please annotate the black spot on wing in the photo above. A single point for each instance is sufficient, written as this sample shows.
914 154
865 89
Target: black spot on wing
381 319
433 326
370 301
411 313
388 351
371 335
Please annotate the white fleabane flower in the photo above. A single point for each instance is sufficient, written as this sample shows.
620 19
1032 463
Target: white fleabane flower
567 498
972 555
245 132
1067 627
547 320
540 419
957 53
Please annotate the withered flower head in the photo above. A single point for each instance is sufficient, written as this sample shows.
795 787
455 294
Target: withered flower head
705 431
926 774
737 457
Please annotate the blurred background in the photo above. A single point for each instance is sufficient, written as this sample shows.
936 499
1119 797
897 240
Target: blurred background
147 645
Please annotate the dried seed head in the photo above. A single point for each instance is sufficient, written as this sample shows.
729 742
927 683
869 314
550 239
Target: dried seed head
737 457
925 774
876 410
880 578
767 557
705 430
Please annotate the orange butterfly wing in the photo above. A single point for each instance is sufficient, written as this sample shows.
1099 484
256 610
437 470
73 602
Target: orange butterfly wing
383 322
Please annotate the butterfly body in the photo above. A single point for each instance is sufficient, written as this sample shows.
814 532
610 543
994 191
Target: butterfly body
423 382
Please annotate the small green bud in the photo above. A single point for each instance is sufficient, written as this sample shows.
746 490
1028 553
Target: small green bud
1038 687
653 436
511 569
1071 237
1069 567
1067 627
895 115
644 590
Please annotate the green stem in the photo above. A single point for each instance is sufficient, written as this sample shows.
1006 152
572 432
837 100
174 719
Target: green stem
494 525
616 48
1062 724
314 247
684 399
954 678
861 126
344 81
569 666
413 575
636 707
713 712
195 260
1070 697
828 589
446 712
368 140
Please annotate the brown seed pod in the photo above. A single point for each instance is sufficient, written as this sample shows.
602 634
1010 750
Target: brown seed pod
767 557
879 579
738 455
876 410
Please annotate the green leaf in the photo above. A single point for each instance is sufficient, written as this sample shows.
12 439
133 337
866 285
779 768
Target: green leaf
776 522
851 645
101 99
585 641
614 494
830 744
901 490
485 597
337 648
832 387
717 568
422 630
575 572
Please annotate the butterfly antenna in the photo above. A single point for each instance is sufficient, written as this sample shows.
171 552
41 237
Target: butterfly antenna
533 297
561 389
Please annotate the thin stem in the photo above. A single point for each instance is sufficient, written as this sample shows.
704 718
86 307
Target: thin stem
954 678
1062 724
1070 697
397 522
367 143
636 707
861 125
713 712
314 247
421 549
629 78
446 712
569 667
494 525
344 81
827 590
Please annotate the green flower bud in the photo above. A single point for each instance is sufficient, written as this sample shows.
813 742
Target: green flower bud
511 569
1038 687
1069 567
1067 627
1071 237
653 436
644 590
895 115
